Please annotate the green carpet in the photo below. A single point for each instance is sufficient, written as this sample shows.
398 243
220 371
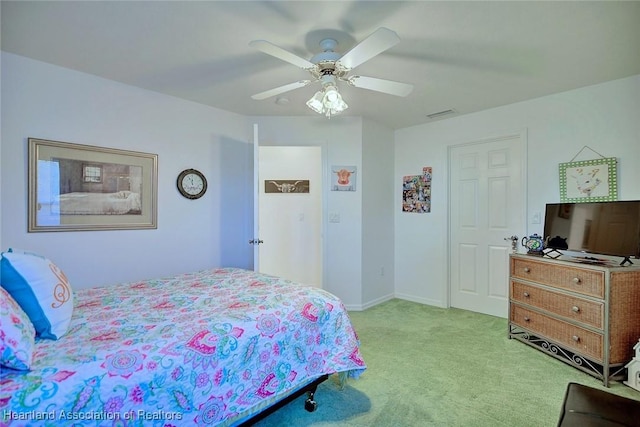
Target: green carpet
428 366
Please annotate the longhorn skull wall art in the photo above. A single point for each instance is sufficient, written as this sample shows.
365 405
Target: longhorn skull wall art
286 186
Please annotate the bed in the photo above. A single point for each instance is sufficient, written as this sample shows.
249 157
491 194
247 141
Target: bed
118 203
211 348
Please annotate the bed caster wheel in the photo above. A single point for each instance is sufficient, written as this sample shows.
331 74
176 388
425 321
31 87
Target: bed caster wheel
310 405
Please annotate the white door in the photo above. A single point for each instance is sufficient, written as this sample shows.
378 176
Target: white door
487 205
287 223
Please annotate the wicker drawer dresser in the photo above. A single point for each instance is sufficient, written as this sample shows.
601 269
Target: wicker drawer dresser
585 315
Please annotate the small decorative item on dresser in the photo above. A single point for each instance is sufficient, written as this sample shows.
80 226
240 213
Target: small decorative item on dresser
534 244
633 369
514 243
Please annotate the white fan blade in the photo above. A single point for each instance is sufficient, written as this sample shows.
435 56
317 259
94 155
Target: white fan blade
282 89
381 40
280 53
380 85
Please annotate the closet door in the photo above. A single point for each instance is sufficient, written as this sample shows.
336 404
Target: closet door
487 205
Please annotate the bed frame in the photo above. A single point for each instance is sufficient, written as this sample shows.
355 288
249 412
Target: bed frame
310 404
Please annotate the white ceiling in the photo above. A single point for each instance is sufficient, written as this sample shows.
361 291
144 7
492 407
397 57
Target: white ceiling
467 56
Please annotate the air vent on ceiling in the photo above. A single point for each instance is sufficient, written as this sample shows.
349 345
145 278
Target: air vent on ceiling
441 113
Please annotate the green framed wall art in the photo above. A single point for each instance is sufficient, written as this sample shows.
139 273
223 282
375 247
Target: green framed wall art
589 181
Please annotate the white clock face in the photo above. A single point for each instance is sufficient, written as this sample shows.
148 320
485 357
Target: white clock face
192 183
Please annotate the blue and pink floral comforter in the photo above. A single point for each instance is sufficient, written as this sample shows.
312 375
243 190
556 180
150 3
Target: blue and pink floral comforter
202 349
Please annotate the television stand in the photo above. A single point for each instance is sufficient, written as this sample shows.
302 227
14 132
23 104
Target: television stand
626 260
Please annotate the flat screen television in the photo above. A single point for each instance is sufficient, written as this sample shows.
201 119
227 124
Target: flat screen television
607 228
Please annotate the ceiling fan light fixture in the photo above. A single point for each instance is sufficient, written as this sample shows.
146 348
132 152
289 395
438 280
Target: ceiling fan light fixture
333 102
331 94
328 101
315 103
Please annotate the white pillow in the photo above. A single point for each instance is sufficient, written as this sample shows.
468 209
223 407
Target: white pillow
41 289
17 334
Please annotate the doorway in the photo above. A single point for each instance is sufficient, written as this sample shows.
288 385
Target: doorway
486 206
290 219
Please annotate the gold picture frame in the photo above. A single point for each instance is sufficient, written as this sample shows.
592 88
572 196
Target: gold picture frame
589 181
77 187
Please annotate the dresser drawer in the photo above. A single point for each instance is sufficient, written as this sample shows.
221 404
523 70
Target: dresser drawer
570 336
581 310
587 282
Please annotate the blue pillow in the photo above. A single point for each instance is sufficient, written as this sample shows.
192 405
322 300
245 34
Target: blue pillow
41 289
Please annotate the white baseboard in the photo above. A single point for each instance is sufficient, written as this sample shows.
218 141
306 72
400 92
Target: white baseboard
373 303
426 301
369 304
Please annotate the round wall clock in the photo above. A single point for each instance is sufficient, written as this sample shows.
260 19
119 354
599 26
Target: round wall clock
192 184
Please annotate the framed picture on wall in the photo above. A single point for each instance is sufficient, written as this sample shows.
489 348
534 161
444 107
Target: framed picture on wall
286 186
75 187
589 181
343 178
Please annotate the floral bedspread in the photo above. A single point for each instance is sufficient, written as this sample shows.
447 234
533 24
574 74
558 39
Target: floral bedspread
196 349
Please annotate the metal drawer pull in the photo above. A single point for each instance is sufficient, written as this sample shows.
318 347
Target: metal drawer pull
576 280
575 309
575 338
526 319
527 269
526 294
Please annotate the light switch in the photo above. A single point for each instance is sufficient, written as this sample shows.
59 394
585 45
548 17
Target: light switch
536 218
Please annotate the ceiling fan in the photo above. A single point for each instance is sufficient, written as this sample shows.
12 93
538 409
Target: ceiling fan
329 67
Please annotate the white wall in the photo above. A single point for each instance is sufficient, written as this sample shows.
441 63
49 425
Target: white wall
1 127
604 117
377 185
49 102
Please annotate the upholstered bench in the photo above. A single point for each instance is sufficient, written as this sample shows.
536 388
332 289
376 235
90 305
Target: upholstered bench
589 407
